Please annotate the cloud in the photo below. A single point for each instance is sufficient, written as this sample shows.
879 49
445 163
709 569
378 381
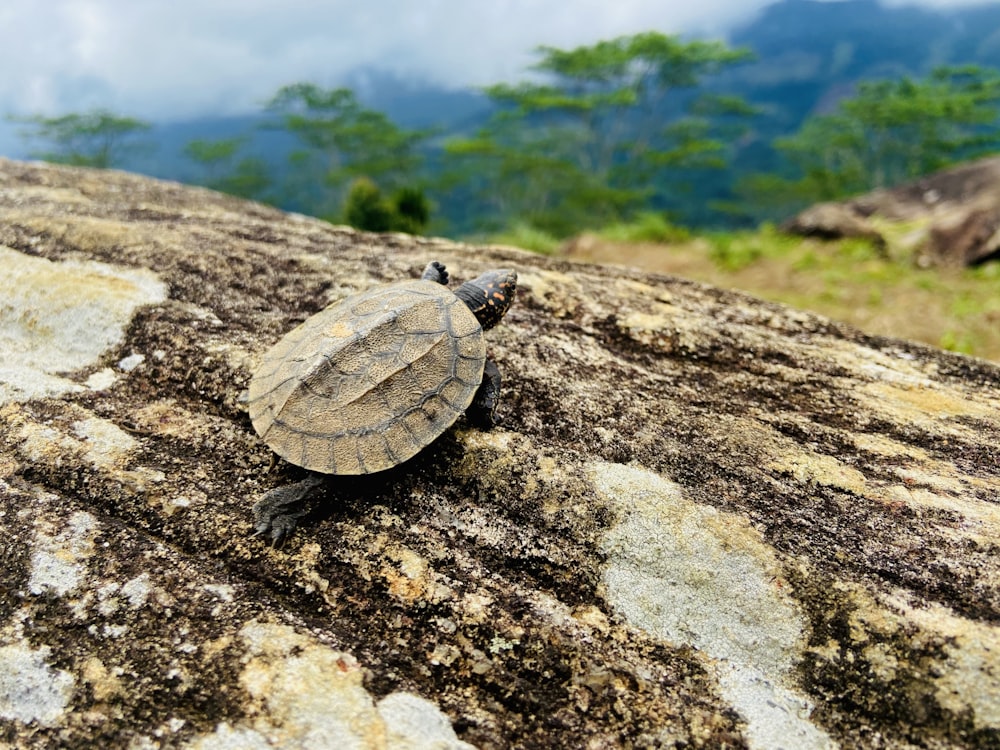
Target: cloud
187 56
191 57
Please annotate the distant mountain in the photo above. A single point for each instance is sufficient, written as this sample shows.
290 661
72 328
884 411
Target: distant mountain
167 159
419 105
810 54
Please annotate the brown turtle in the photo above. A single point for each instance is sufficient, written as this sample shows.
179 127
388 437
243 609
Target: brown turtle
371 380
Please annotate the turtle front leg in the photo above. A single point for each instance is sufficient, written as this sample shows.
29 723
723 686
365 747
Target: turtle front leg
482 412
435 272
278 512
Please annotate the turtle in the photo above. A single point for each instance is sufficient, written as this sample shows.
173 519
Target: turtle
371 380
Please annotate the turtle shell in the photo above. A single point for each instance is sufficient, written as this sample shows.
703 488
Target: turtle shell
369 381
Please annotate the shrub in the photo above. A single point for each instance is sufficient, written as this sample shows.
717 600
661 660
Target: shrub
365 208
412 210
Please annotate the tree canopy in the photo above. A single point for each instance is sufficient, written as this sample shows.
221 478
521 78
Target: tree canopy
591 138
93 139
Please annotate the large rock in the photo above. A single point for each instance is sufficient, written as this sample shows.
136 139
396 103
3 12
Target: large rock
950 218
831 221
706 520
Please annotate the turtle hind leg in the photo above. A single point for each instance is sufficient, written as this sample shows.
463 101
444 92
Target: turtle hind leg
435 272
278 512
482 412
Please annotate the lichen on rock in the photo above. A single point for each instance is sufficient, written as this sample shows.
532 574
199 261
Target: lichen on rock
689 574
62 316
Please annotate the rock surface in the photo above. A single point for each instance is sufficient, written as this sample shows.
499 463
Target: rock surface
705 521
950 218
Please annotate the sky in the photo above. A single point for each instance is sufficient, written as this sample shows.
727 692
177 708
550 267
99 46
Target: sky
169 60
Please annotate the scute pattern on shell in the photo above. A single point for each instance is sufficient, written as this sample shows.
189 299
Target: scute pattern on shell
371 380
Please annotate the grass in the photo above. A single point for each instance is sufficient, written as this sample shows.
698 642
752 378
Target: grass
848 280
528 237
647 227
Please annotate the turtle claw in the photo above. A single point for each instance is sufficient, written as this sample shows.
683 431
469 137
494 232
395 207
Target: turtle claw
278 528
278 512
435 272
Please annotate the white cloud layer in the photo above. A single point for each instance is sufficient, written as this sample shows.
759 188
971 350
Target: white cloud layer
184 58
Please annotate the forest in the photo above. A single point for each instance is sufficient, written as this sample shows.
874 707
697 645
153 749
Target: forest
612 132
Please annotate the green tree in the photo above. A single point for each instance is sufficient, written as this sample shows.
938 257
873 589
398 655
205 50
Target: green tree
92 139
224 171
599 136
888 132
343 141
366 208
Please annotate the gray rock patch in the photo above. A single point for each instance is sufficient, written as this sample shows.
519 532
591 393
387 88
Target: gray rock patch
57 317
690 574
30 689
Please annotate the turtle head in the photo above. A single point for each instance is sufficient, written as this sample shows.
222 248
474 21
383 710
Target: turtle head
489 296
